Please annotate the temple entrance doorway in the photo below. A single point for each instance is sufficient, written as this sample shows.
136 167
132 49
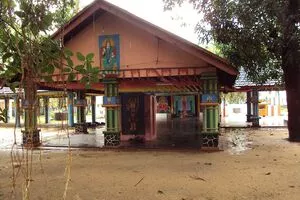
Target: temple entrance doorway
177 121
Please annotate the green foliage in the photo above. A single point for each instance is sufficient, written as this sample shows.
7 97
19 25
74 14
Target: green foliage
3 113
234 97
86 69
263 37
28 53
248 33
25 41
69 9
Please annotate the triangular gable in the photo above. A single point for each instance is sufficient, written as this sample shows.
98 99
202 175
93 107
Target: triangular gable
84 17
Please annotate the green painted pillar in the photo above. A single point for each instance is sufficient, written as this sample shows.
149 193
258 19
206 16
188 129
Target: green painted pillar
210 103
111 101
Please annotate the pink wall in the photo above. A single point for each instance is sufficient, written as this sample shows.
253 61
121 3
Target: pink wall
138 48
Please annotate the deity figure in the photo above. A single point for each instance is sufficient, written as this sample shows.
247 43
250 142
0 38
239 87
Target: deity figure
184 106
162 105
132 106
109 60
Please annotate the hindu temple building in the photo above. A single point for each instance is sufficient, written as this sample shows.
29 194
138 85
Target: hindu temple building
146 73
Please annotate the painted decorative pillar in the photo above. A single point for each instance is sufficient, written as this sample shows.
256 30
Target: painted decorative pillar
249 115
210 103
70 109
6 104
80 126
46 109
111 101
109 46
93 102
255 117
17 111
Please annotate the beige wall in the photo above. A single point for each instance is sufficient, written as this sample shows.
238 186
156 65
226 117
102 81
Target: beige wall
138 48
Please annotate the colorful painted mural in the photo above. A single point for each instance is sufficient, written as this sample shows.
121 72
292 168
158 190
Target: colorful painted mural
133 114
109 52
209 98
110 100
184 106
163 104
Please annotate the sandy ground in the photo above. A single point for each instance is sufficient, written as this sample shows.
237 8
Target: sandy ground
270 169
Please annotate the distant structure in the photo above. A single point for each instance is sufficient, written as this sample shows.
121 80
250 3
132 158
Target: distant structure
243 84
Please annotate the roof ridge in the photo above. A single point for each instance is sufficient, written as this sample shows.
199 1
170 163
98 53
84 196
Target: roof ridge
172 38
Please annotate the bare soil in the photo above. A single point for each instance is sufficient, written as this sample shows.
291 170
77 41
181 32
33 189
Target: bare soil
269 169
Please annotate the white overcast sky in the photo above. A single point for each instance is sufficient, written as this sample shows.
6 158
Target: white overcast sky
152 11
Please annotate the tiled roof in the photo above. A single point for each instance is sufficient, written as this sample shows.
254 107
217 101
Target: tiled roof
6 90
244 81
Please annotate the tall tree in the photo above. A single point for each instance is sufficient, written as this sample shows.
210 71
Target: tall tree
263 37
25 34
29 53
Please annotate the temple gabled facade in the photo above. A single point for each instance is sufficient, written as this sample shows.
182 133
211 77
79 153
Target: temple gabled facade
144 70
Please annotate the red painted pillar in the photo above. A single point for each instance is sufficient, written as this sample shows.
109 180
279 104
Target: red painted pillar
150 117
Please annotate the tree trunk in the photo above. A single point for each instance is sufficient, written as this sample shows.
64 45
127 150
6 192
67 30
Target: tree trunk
292 80
31 136
30 90
291 67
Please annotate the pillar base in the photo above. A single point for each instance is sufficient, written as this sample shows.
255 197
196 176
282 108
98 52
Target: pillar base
31 140
210 140
255 122
249 118
111 138
81 128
